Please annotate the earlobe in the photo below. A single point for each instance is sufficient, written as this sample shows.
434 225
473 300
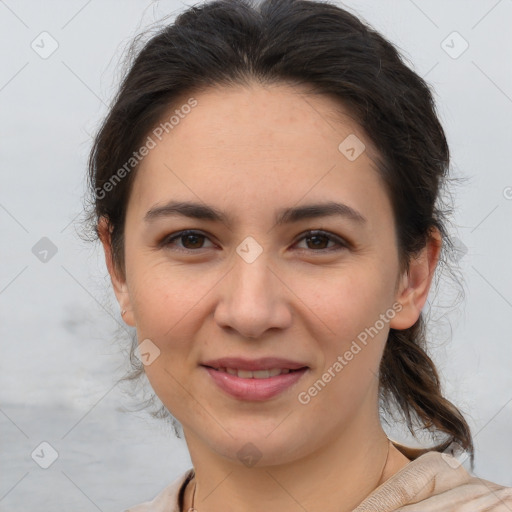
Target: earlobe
415 283
118 281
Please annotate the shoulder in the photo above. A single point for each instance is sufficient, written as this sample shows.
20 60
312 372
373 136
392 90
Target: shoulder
435 482
166 500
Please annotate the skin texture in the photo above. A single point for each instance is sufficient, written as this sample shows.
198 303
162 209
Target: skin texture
249 151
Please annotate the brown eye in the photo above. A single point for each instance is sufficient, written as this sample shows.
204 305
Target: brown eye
190 240
317 241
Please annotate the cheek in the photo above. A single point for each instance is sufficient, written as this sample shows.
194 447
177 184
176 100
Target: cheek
165 304
355 311
351 348
349 300
164 295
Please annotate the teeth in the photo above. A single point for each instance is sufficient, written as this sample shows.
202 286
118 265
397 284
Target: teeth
259 374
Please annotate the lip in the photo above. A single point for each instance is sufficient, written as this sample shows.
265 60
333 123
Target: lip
264 363
254 389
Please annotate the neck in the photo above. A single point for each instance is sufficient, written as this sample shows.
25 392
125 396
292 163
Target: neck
336 477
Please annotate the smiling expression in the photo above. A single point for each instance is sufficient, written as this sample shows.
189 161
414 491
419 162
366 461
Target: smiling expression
257 170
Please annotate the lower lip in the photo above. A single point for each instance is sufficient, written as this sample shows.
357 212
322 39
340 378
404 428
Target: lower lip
254 389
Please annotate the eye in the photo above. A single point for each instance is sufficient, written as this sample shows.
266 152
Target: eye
191 239
320 238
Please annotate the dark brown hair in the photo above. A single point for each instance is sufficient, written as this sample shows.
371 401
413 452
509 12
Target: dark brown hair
332 52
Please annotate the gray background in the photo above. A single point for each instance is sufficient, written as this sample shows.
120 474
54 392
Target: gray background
59 360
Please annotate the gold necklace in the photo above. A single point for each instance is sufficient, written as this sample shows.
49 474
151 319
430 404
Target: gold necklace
192 509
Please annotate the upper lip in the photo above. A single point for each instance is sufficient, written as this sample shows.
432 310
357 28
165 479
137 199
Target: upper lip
264 363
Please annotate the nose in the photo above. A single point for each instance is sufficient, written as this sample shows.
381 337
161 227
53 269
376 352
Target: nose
253 298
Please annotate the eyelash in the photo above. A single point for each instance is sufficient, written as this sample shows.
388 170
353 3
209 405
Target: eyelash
342 244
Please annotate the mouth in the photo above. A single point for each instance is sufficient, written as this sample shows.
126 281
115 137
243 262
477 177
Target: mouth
257 385
256 374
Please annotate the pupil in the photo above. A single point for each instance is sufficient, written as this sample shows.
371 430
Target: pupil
192 236
316 238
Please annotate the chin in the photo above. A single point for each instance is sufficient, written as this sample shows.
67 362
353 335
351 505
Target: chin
260 447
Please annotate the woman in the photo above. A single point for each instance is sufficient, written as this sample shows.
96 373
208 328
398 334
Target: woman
267 195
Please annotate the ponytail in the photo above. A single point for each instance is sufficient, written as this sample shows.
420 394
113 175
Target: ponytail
408 377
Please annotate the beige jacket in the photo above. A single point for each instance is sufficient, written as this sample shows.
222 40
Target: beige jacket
432 482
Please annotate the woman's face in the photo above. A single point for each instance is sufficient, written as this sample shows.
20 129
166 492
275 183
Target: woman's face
249 287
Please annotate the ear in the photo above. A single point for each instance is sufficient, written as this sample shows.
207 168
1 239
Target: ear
116 277
415 283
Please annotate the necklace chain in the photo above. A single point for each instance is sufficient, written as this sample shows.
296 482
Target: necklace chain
192 509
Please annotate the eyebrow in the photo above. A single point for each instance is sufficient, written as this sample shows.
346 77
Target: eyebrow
284 215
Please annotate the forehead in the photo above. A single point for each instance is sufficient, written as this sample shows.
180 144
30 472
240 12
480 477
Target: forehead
269 141
280 118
